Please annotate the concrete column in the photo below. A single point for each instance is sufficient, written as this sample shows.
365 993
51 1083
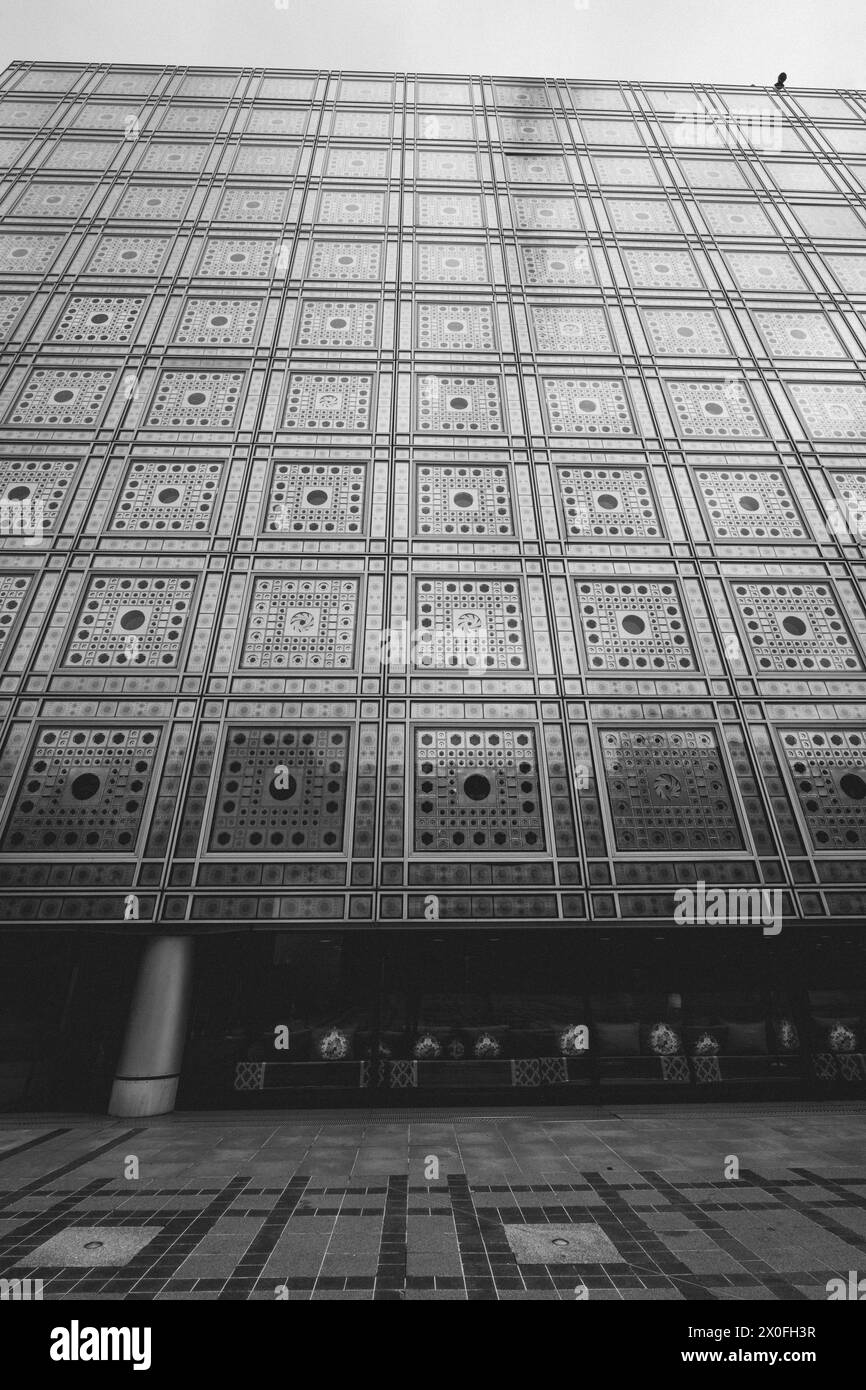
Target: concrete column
149 1067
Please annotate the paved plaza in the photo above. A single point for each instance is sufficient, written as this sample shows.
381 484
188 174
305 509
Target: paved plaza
595 1202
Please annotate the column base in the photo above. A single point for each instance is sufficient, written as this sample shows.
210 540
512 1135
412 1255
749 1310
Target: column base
153 1095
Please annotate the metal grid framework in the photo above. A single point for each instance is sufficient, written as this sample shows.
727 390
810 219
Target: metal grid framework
428 498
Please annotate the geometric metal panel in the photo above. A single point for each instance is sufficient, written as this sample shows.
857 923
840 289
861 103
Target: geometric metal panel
477 789
328 402
168 496
97 319
53 200
668 791
686 332
463 500
661 269
715 408
634 627
546 214
281 790
449 404
469 623
232 258
345 260
557 265
352 209
462 327
253 205
449 210
83 790
608 502
831 412
164 202
196 400
795 627
13 591
54 396
24 253
128 255
301 624
126 621
798 335
764 270
332 323
218 322
580 406
317 499
750 505
452 264
30 481
560 329
11 306
828 770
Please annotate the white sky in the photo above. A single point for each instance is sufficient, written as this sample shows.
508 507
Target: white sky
819 43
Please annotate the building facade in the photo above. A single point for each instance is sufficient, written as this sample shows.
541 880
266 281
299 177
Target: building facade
432 515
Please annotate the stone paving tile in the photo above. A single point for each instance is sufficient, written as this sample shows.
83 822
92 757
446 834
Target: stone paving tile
345 1213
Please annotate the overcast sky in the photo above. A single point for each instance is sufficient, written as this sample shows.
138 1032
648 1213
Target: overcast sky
819 43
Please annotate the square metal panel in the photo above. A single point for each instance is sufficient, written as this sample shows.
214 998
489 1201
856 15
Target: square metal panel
546 214
128 255
53 200
328 401
38 481
764 270
304 624
253 205
749 504
53 396
317 499
345 260
831 411
168 496
640 215
668 791
583 406
237 258
352 209
196 400
131 621
557 265
164 201
27 253
477 790
207 321
357 163
568 329
613 503
828 771
83 790
463 501
449 210
788 333
447 164
11 308
716 409
634 626
332 323
452 265
469 625
459 404
685 332
99 319
661 269
281 789
456 327
795 627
